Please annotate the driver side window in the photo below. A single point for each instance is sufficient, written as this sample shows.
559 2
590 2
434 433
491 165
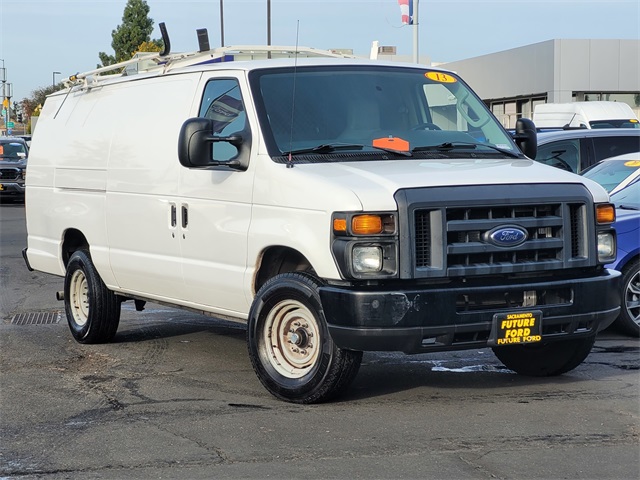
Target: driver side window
563 154
222 102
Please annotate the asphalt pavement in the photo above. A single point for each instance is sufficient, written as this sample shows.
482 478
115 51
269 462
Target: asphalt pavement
174 396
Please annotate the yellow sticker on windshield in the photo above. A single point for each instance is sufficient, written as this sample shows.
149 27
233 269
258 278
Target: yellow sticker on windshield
440 77
632 163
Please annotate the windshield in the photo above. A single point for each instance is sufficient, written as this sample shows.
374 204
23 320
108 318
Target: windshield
12 151
610 173
371 108
633 123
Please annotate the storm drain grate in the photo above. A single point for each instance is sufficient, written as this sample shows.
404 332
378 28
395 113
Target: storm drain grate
36 318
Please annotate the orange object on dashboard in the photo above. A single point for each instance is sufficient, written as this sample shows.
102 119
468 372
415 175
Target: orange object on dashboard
391 142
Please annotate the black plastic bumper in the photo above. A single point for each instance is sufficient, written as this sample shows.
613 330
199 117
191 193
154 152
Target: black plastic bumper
436 318
15 189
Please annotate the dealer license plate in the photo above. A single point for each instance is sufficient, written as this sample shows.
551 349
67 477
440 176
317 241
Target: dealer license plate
516 328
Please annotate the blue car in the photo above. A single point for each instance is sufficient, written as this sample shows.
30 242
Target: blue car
627 225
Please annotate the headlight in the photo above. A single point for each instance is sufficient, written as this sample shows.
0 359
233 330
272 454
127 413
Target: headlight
365 245
367 259
606 247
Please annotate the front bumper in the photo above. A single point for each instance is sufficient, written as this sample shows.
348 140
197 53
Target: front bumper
12 188
459 315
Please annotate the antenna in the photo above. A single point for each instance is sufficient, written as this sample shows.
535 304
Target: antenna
293 94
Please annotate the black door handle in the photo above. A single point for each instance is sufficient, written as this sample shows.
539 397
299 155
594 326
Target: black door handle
185 216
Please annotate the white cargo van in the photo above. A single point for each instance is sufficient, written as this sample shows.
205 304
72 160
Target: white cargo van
599 114
334 205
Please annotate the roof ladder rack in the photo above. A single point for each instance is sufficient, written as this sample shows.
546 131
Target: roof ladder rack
165 61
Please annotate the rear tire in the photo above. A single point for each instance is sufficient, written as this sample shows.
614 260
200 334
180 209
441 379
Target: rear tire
289 343
545 359
93 311
629 319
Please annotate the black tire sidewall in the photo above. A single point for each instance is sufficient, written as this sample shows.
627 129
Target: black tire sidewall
303 288
78 261
545 359
624 322
104 313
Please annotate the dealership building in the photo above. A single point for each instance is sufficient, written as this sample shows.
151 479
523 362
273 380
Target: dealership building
513 82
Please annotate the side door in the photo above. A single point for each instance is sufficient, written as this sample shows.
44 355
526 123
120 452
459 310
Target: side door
215 203
142 197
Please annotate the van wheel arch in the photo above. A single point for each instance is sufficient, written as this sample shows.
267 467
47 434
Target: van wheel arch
72 241
277 260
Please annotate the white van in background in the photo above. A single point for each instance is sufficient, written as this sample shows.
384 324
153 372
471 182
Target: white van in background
585 115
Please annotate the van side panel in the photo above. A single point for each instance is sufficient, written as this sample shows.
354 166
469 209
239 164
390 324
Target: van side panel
142 186
67 180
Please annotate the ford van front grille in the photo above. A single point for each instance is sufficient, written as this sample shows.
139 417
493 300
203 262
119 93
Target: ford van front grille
472 231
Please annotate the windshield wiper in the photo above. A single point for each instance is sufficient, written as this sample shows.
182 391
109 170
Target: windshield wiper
325 148
627 207
334 147
464 145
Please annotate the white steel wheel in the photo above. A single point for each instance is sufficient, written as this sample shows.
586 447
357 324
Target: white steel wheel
78 298
289 343
292 334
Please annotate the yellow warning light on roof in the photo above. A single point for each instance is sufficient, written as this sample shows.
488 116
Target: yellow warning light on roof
633 120
440 77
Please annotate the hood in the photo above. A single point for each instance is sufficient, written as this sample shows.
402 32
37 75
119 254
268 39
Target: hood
375 182
627 220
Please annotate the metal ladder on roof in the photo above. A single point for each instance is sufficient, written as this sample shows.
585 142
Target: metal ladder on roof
165 61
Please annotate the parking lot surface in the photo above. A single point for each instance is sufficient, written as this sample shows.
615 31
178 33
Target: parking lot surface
174 396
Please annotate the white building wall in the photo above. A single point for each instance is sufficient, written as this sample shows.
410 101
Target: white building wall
558 70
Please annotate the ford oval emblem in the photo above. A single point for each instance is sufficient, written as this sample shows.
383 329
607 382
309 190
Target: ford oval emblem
507 236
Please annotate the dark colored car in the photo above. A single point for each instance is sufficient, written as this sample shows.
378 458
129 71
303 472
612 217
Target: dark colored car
627 225
13 166
578 149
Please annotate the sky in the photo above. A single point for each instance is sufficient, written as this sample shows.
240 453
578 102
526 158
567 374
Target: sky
40 37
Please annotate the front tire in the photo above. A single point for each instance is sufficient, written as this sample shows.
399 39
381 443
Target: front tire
629 319
93 311
545 359
289 343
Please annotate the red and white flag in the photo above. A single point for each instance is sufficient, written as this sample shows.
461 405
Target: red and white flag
406 10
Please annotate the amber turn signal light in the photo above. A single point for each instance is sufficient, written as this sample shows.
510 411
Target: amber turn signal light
366 224
340 225
605 213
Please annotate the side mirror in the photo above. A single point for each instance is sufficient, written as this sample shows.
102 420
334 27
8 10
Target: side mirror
526 137
195 145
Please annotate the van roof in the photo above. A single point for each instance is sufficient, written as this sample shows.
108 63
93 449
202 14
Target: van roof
598 110
213 60
550 136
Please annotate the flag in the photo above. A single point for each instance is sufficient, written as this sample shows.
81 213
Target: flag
406 10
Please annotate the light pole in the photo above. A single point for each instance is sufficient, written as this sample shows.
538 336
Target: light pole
221 24
53 84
